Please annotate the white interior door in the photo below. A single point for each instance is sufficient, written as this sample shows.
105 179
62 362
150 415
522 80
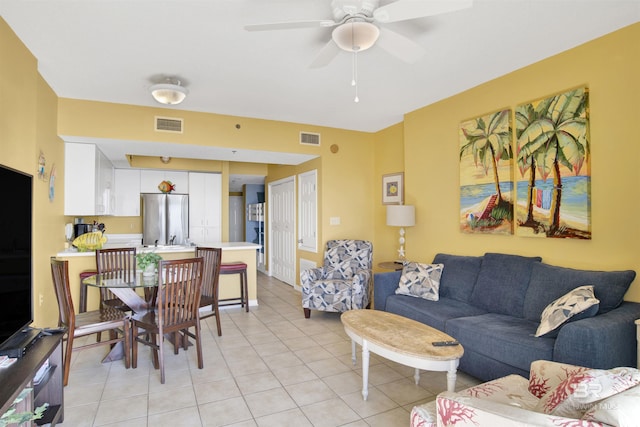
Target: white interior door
307 211
281 236
236 219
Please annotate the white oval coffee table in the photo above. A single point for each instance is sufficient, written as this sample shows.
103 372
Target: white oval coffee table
401 340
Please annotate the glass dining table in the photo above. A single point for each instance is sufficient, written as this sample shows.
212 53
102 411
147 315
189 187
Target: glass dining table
124 284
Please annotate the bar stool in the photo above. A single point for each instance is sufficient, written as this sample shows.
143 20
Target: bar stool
241 269
82 306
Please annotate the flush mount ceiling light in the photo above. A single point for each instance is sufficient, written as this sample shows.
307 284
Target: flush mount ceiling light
355 36
169 93
165 159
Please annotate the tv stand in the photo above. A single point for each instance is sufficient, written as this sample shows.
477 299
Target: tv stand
49 387
18 345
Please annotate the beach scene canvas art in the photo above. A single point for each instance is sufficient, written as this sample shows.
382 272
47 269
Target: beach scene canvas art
553 167
486 174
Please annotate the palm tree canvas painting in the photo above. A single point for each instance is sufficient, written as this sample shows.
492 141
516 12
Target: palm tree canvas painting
486 174
553 157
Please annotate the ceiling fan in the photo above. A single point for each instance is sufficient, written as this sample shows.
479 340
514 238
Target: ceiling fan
356 30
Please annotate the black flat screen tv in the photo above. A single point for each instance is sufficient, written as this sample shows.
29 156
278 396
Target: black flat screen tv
16 302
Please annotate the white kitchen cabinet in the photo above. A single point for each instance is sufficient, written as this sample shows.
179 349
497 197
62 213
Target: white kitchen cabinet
205 208
127 192
88 183
104 189
150 179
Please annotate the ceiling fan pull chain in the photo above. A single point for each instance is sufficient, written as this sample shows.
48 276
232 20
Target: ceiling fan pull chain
354 65
355 47
354 81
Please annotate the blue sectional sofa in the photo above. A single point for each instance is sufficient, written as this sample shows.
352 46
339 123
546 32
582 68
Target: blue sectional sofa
492 305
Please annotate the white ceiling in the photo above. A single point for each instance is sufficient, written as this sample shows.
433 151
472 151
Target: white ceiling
113 50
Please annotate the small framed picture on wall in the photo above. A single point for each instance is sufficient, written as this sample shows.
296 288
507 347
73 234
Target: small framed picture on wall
393 188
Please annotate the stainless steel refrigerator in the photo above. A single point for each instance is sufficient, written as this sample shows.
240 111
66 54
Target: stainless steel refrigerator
165 219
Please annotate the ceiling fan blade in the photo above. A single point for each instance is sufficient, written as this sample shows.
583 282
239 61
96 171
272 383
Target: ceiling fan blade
400 46
326 55
290 25
403 10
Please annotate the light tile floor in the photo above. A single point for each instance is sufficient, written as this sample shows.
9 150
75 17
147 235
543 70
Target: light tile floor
271 367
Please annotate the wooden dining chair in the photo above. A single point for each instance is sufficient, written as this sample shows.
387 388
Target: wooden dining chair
177 310
211 272
115 261
106 319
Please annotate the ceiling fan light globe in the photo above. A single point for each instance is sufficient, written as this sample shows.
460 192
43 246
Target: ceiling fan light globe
168 93
355 36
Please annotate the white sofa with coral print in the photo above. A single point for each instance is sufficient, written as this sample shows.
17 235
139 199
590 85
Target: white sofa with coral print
556 394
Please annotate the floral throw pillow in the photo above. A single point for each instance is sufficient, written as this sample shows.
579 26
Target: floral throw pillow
420 280
580 393
559 311
621 409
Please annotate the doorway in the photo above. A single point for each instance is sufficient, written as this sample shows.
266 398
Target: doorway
282 226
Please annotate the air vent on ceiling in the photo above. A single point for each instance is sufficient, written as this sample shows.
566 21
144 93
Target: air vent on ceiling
309 138
168 124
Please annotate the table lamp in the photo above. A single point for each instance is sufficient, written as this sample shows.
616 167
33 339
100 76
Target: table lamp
401 216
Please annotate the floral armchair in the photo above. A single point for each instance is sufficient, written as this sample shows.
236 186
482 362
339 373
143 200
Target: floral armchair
343 282
556 394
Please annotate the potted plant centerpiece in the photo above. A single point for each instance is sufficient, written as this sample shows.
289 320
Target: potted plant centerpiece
148 262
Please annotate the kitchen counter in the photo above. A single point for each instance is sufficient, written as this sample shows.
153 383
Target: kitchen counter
229 284
226 246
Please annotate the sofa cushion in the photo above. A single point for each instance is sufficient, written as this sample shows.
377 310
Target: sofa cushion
549 282
502 283
432 313
459 275
578 302
507 339
485 368
420 280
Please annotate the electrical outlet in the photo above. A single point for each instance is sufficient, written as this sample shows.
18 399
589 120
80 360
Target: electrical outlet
41 299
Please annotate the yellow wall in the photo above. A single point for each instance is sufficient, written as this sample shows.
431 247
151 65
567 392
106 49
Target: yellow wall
346 188
28 126
346 183
389 147
610 67
87 118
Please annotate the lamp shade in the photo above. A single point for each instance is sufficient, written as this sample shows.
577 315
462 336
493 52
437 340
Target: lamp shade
355 36
401 215
169 93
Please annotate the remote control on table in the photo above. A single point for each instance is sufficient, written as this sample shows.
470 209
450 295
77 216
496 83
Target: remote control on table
49 331
444 343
